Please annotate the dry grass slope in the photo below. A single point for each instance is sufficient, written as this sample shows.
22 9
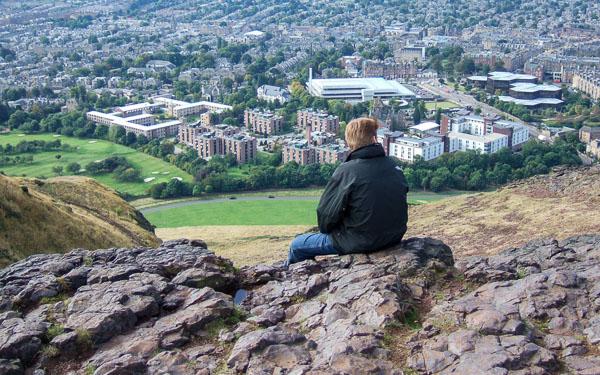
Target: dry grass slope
60 214
559 205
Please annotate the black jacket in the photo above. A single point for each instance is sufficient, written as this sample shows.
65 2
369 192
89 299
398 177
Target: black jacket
364 204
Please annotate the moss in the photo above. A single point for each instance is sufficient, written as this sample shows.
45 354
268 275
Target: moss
54 330
89 369
297 299
88 261
84 339
50 351
54 299
409 371
64 285
444 323
411 318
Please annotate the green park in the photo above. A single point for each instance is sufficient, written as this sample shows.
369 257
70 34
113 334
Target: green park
84 151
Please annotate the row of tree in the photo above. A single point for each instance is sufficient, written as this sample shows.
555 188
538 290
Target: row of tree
475 171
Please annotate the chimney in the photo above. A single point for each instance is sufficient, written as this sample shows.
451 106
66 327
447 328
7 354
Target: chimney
310 74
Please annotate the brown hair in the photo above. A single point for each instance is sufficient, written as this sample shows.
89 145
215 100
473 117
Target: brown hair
360 132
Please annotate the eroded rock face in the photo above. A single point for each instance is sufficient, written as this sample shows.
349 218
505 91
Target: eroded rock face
531 310
537 312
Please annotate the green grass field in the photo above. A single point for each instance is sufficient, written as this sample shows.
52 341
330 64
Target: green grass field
443 105
256 212
88 151
288 212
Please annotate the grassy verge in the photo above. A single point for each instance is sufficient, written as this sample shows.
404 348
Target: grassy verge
89 150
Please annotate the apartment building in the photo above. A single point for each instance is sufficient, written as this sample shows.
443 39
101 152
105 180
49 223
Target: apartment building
484 133
139 125
304 153
389 69
588 83
263 122
222 139
486 144
299 152
408 148
318 121
587 134
181 109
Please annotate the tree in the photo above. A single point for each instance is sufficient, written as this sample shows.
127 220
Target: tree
58 170
73 167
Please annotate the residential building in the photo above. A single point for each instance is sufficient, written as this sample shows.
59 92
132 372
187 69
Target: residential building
588 133
140 124
304 153
272 93
263 122
486 144
219 140
594 148
588 83
389 69
318 121
181 109
408 148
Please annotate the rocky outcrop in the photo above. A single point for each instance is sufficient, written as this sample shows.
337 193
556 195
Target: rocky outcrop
179 309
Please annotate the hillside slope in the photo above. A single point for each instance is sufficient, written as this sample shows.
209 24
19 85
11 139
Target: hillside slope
559 205
63 213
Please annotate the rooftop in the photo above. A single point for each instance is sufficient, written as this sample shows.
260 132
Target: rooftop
425 126
530 102
377 84
533 87
477 138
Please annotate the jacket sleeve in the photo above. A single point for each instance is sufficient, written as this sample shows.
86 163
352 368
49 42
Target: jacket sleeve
333 203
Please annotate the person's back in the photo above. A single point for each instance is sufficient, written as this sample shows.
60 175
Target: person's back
363 207
373 191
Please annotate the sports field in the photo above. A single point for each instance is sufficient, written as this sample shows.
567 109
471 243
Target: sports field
89 150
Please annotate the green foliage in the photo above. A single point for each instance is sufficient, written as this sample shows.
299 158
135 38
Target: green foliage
84 339
54 299
50 351
475 171
53 331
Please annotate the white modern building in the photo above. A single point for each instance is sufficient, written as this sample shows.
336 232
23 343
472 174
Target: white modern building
181 109
139 118
357 89
486 144
272 94
138 124
408 148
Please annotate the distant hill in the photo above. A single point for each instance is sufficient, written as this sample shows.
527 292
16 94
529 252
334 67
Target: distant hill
59 214
559 205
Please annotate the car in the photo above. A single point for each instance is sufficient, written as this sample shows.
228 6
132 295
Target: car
271 197
232 197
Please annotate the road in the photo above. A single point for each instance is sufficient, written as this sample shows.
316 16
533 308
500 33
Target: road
450 94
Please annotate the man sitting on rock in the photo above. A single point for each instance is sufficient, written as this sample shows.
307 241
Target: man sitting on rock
363 208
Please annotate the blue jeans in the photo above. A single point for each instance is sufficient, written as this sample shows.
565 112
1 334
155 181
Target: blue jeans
307 246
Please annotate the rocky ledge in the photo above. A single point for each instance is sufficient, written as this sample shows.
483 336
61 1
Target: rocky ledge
179 309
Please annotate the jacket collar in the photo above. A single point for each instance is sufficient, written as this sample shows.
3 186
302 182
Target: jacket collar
374 150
